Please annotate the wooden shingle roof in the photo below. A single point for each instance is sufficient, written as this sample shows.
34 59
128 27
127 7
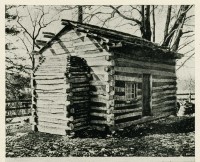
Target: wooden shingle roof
110 37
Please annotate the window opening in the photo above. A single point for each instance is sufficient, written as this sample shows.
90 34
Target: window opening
130 91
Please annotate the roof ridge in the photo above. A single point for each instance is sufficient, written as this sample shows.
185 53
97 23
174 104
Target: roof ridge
116 31
111 35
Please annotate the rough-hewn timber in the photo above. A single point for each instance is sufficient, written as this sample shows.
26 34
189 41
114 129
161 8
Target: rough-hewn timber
130 68
88 76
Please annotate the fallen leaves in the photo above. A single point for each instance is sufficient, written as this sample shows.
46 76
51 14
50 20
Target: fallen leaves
158 138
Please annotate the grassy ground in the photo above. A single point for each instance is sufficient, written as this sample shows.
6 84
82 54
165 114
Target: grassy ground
173 136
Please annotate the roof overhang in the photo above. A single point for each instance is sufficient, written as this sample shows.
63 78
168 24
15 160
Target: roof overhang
108 37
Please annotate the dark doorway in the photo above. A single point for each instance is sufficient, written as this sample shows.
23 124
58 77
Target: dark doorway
146 94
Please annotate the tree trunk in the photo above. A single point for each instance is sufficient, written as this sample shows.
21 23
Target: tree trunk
142 22
145 23
167 21
80 14
182 13
178 37
154 23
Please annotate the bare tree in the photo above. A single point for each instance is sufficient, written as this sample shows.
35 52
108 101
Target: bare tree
141 17
28 22
39 21
167 21
154 24
177 27
80 14
178 30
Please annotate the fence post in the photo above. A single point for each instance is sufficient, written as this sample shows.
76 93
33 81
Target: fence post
190 98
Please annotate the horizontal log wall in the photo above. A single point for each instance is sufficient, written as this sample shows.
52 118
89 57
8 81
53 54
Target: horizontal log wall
62 90
52 102
124 111
100 63
78 75
129 68
79 93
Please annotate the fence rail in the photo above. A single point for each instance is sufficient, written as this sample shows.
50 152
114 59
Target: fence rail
186 96
18 108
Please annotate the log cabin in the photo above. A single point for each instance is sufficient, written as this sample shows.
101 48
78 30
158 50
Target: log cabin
93 77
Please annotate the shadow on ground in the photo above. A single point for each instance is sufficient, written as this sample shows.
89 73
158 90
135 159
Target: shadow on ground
173 136
167 125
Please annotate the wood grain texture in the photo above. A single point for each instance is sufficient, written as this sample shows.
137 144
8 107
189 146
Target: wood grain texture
143 64
141 120
141 71
131 56
63 76
51 130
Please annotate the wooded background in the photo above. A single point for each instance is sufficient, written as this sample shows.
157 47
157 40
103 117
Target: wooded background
170 26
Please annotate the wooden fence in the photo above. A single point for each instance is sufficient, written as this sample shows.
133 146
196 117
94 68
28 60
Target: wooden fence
18 108
186 96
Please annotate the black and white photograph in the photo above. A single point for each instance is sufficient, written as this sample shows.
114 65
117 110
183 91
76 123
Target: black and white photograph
99 80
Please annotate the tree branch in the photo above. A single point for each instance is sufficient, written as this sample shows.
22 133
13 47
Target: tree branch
187 36
30 16
188 52
24 28
26 48
181 16
125 17
167 21
182 46
189 31
136 9
185 61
